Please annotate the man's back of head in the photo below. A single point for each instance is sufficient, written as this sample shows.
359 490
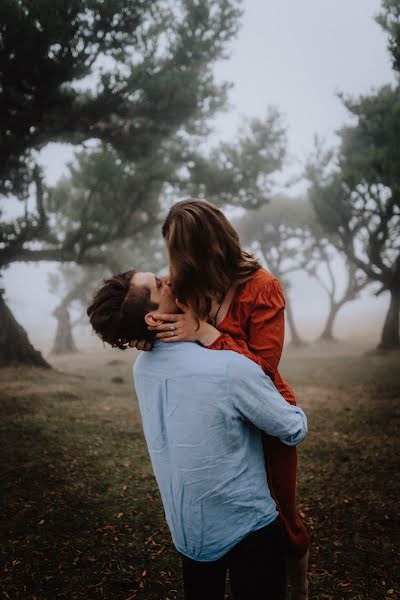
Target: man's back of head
123 306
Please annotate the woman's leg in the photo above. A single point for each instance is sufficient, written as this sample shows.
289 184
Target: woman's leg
281 463
298 567
204 580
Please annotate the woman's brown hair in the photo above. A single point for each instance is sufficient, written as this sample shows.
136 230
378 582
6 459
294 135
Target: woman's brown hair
205 254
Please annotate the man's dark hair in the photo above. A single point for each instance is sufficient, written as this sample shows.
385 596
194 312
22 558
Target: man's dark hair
117 311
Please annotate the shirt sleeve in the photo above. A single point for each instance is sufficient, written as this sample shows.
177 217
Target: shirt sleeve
257 400
266 330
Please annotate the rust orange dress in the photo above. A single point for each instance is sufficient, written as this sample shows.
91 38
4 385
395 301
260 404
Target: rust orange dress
254 326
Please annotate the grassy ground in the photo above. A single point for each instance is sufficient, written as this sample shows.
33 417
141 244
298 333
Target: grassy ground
81 516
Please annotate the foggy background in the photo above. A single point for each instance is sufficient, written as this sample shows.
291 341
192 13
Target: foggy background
312 185
295 56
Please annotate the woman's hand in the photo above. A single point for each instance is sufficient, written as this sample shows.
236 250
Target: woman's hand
141 345
184 327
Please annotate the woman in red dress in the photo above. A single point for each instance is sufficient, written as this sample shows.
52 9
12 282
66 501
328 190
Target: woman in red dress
230 303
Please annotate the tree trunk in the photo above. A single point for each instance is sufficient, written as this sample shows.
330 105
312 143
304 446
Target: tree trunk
327 334
15 347
63 341
390 339
296 340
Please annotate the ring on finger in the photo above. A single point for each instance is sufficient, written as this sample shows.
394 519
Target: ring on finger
172 327
172 334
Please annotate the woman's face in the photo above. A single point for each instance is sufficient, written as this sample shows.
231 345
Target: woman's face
160 290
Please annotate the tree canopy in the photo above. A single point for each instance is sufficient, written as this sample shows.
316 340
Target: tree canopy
135 76
389 19
127 73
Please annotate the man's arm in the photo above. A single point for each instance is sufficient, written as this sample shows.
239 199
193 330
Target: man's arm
257 400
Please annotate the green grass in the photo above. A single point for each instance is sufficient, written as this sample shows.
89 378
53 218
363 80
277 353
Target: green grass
81 515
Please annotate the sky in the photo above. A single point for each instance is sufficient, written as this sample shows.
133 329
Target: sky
296 56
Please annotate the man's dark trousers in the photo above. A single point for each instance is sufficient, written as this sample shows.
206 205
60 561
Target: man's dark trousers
257 569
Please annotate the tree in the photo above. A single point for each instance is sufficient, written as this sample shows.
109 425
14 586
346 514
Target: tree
63 342
135 76
14 342
144 103
320 266
103 200
287 236
358 201
279 233
15 346
71 282
143 68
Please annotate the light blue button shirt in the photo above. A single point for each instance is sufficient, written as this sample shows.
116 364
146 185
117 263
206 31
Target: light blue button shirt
201 412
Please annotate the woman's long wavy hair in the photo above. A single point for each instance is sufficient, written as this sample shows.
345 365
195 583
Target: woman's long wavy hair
205 254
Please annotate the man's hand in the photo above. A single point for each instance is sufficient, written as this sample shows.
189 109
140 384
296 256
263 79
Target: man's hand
141 345
184 327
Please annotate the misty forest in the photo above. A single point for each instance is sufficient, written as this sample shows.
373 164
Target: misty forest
131 87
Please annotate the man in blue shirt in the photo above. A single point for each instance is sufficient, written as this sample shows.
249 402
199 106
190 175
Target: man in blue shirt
202 411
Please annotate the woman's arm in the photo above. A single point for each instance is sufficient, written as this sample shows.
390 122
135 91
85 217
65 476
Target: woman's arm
185 327
266 329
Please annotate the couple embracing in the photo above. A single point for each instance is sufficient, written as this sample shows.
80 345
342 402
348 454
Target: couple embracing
221 424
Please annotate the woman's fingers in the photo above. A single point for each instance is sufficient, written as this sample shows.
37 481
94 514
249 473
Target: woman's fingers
163 327
142 345
159 317
167 334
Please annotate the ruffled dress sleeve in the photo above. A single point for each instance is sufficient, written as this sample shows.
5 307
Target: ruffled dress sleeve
266 330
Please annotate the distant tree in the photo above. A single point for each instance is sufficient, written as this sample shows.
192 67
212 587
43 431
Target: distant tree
151 86
286 235
71 283
63 342
242 173
103 199
279 234
321 267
